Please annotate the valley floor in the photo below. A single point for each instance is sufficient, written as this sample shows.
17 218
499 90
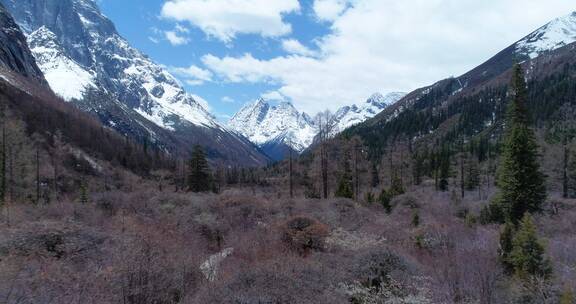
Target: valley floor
253 246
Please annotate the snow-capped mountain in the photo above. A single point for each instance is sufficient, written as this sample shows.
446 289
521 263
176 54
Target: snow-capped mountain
557 33
79 50
275 128
263 123
348 116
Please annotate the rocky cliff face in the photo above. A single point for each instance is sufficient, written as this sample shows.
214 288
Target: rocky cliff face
14 53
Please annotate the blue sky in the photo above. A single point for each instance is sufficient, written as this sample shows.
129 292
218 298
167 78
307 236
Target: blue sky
140 22
321 54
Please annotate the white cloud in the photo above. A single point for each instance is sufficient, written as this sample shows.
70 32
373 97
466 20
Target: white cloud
328 10
294 46
390 45
175 39
193 75
224 19
228 99
273 96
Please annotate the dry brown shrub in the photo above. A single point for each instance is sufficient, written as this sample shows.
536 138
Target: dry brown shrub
304 234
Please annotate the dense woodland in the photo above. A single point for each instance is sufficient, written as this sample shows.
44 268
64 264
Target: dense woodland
470 202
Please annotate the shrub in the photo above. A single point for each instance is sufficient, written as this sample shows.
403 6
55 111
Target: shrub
304 234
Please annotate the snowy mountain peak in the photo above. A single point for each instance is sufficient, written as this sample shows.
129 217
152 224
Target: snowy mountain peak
270 125
348 116
263 123
379 100
557 33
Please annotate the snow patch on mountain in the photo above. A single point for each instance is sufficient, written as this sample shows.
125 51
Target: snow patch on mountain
556 34
88 52
65 77
264 123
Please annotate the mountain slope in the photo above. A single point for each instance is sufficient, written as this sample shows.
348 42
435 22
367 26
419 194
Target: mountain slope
79 49
474 103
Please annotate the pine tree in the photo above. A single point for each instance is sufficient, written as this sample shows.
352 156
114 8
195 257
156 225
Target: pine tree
506 247
527 256
520 182
83 192
375 176
345 184
198 171
444 170
415 218
3 175
567 296
473 176
397 187
385 200
572 175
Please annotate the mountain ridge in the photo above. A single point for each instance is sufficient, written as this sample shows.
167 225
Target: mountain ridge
79 49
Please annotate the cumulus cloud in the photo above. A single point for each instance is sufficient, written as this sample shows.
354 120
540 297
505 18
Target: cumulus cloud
193 75
328 10
175 39
390 45
273 96
224 19
294 46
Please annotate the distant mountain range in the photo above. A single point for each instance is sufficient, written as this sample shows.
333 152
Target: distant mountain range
83 58
278 128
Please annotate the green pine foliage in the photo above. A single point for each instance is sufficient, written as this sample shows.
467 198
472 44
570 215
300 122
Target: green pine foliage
506 247
472 176
520 182
199 177
567 296
83 192
345 188
527 256
375 176
415 218
444 163
385 199
397 186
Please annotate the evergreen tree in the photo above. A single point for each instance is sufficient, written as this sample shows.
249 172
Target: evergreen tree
415 218
527 256
567 296
385 200
198 171
397 187
444 170
519 179
473 176
572 175
83 192
506 247
3 175
375 176
344 188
